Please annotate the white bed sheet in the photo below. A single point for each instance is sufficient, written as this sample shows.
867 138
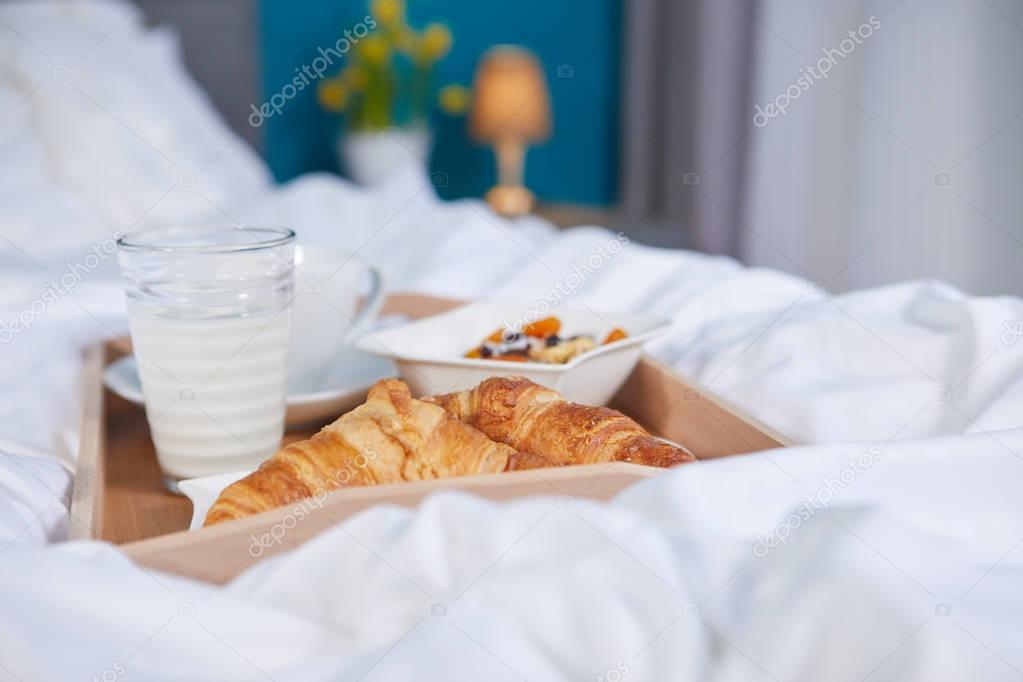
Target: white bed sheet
887 548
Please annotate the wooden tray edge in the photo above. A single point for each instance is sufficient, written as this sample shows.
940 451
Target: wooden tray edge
219 553
86 515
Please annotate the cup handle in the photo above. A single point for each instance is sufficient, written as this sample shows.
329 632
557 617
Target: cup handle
370 309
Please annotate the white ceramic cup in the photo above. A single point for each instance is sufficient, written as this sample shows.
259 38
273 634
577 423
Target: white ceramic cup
326 317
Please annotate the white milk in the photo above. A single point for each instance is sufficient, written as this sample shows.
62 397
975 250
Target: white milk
214 388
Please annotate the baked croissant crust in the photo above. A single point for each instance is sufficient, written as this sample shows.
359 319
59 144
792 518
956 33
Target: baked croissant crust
390 438
534 419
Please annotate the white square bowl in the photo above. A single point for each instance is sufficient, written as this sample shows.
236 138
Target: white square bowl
430 352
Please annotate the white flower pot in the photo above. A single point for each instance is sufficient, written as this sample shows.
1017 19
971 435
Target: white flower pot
369 157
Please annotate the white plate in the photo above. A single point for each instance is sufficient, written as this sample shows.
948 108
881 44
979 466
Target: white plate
430 352
346 385
204 492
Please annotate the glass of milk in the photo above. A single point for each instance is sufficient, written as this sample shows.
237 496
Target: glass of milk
209 310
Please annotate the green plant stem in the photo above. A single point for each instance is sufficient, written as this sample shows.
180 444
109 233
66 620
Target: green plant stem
377 100
422 77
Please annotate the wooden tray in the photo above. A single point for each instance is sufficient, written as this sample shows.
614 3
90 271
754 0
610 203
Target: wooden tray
118 495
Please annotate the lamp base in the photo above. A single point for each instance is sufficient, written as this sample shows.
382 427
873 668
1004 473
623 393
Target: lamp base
510 200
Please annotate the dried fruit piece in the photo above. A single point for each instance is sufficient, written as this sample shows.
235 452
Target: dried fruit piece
616 334
540 342
548 326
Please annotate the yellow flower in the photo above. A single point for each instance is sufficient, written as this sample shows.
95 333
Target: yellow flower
332 95
454 99
435 43
390 13
374 50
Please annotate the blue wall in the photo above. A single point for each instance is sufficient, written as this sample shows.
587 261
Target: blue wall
578 164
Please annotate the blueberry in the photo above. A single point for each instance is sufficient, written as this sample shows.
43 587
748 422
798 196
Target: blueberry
486 352
553 340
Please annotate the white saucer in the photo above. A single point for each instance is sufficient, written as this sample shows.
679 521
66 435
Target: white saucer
353 374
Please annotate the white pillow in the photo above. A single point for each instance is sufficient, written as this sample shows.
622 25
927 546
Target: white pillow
104 123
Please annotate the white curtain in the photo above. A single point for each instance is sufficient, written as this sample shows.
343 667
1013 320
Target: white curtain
906 161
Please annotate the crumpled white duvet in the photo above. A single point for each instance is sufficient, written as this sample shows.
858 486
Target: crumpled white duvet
889 547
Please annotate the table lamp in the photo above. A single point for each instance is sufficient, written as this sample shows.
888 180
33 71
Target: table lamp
510 108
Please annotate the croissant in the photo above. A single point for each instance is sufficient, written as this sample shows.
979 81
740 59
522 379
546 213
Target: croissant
390 438
531 418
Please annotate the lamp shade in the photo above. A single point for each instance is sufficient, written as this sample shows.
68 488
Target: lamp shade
510 98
